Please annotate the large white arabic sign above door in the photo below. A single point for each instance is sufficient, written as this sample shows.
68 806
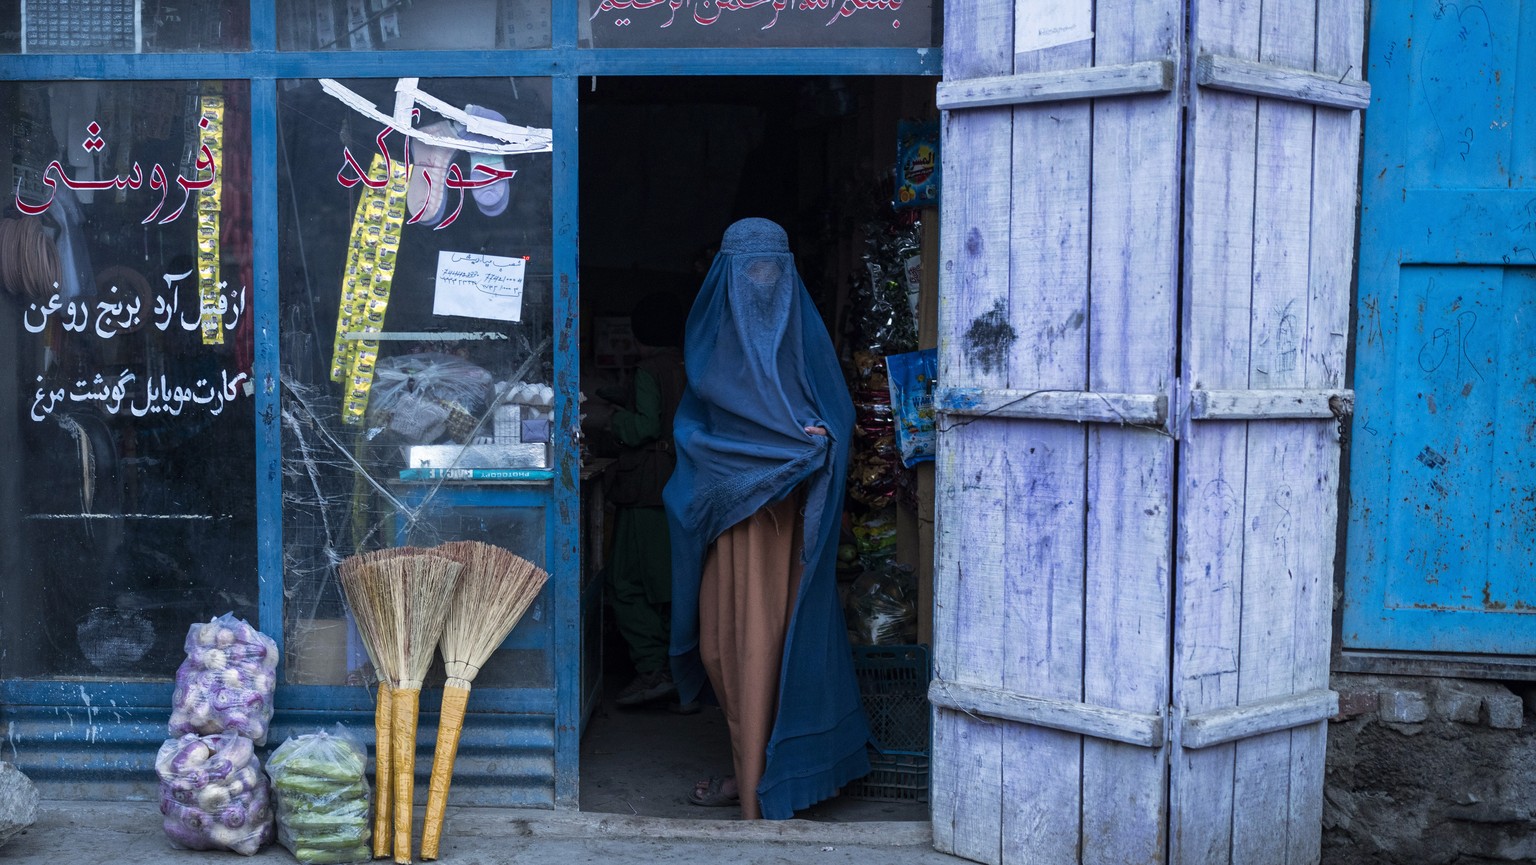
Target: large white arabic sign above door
759 23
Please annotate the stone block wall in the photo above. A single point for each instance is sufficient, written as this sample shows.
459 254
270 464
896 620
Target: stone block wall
1432 771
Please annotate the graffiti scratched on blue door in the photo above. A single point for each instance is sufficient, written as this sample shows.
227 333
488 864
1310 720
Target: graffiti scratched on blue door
1442 532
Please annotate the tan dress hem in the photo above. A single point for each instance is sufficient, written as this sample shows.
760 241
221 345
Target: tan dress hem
747 595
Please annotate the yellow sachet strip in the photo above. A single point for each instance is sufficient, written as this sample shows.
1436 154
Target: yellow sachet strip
359 261
371 231
209 204
384 779
450 725
375 302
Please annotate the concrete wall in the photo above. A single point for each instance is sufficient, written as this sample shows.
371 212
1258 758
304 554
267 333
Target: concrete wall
1424 770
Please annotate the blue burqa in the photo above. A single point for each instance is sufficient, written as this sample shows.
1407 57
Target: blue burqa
761 368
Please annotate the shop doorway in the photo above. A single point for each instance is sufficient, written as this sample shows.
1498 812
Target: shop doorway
666 163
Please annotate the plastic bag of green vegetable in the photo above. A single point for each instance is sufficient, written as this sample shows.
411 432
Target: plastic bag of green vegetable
213 793
226 682
323 797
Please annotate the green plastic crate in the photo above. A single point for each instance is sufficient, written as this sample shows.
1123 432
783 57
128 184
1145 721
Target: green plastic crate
893 685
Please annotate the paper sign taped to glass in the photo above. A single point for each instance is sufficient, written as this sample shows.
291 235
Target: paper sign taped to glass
479 286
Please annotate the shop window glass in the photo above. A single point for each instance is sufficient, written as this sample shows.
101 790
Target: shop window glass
416 341
412 25
126 418
123 26
760 24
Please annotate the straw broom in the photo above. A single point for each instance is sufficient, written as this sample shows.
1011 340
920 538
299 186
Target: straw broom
420 592
358 574
495 589
405 594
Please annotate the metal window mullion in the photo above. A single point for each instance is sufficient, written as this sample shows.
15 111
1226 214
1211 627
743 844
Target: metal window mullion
264 295
563 516
564 25
263 25
471 64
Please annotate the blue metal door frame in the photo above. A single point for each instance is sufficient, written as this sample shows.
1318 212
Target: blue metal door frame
123 723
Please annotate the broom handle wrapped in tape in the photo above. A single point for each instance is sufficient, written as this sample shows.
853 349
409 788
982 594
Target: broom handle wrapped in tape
383 718
450 726
407 703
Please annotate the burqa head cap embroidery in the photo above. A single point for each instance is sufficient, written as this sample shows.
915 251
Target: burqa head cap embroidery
754 235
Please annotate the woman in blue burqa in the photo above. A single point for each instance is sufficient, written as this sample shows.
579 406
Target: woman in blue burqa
754 506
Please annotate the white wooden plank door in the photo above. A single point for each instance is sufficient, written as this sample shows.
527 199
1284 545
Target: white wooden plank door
1134 547
1055 470
1270 211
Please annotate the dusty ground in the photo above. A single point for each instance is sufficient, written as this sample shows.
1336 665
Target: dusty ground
644 762
128 833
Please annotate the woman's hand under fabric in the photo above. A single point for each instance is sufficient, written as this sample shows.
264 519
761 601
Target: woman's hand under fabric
816 430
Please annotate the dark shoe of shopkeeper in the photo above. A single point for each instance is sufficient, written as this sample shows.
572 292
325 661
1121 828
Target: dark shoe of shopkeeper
646 688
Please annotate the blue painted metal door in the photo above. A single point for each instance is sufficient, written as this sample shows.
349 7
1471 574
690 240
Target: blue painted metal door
1442 532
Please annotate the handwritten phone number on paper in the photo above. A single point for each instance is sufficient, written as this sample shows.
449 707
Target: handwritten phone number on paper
112 317
490 283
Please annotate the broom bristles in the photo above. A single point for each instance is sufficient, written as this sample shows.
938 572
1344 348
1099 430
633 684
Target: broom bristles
420 590
495 589
363 582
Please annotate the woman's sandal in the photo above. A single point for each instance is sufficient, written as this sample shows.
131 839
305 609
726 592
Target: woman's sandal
713 795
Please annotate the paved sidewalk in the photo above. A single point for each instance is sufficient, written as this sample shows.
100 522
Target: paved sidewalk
128 833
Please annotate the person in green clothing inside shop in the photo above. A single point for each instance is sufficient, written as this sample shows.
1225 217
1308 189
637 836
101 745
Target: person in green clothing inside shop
640 567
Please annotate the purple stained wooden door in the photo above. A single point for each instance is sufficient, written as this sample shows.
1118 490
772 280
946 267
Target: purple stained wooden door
1147 236
1055 470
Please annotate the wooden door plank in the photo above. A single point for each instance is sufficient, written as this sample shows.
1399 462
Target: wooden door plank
1277 551
1309 751
1219 204
1044 597
967 752
1126 639
1206 633
1340 51
1335 202
1316 494
1260 804
1213 464
973 546
967 755
1132 337
1220 190
1260 555
1282 230
1043 633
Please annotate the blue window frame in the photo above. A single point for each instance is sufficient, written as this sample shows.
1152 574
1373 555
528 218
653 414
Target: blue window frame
124 722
